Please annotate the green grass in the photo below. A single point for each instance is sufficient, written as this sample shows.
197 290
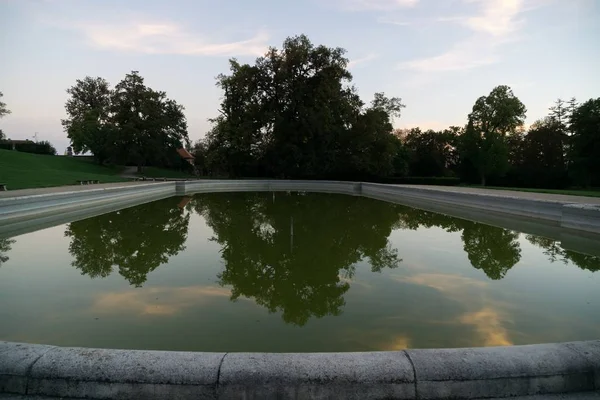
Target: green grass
24 170
154 172
570 192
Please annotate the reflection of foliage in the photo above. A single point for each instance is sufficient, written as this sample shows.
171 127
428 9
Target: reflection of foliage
491 249
136 240
556 253
5 248
288 250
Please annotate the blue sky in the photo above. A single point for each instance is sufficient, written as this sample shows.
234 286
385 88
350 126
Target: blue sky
437 55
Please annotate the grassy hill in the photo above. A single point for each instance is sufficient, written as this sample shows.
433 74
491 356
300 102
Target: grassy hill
24 170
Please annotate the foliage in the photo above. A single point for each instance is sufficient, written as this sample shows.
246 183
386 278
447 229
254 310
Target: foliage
130 123
483 147
134 240
294 114
431 153
3 109
585 143
88 124
148 124
20 170
43 147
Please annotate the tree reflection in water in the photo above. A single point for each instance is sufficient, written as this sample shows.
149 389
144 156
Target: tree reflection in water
5 245
290 251
135 240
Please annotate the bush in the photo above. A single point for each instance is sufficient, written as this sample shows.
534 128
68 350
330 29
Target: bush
43 147
5 145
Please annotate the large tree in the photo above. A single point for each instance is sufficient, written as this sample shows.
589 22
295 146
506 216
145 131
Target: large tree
3 111
483 146
88 123
294 114
585 143
431 153
132 123
149 124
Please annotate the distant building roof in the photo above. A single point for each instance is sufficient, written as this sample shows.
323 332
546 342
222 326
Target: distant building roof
183 153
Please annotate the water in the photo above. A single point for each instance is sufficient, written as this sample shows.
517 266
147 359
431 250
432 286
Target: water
291 272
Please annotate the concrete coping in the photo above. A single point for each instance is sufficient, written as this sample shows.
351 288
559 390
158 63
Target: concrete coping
469 373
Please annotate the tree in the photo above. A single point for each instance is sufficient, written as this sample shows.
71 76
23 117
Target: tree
149 124
3 109
88 123
430 152
294 114
543 162
135 240
483 147
585 143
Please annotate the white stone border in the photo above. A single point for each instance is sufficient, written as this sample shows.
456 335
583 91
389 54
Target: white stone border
26 213
472 373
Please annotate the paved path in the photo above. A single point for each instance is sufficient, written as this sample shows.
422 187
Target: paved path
70 188
493 192
514 193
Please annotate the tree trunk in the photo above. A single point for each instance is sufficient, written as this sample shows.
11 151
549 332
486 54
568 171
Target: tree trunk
482 180
140 168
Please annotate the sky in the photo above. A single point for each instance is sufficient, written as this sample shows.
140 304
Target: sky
439 56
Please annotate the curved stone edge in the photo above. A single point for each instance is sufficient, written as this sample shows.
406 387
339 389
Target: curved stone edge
579 218
470 373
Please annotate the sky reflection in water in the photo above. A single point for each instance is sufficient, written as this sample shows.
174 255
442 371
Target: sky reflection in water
291 272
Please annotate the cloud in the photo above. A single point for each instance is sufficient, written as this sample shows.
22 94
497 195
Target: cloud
362 60
159 37
495 23
157 301
377 5
489 325
497 17
472 53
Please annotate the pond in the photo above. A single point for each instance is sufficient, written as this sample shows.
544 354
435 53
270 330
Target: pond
291 272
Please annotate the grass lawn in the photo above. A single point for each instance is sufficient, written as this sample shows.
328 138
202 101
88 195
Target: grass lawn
571 192
154 172
24 170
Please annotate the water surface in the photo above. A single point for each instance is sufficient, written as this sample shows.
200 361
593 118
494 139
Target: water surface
291 272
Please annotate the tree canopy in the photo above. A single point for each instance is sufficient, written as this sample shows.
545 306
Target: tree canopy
294 113
130 123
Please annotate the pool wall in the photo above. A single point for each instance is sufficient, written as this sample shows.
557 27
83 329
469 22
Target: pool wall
24 214
411 374
471 373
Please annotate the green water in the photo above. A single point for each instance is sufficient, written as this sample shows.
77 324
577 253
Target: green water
291 272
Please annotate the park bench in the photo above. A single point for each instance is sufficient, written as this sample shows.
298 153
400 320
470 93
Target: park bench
3 187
